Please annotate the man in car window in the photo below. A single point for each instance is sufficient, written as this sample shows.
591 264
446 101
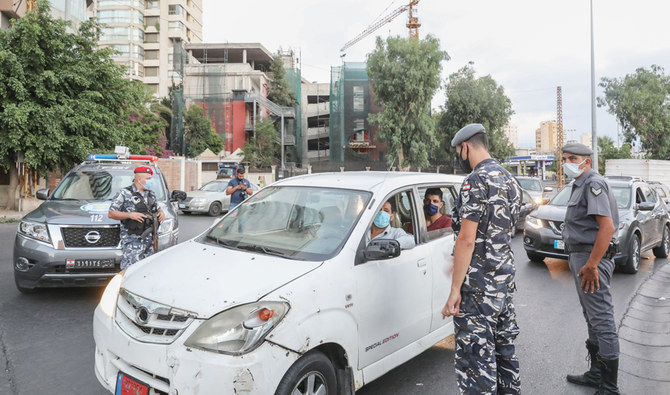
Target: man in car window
133 207
432 204
483 279
239 188
382 229
590 223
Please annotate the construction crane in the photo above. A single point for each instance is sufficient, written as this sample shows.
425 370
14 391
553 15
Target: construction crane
412 23
31 4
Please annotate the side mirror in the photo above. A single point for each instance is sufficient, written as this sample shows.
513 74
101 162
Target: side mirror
548 189
177 196
43 194
646 206
382 249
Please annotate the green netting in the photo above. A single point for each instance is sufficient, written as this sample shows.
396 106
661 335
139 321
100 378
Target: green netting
294 78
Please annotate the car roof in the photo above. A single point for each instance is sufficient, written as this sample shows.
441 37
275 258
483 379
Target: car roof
124 165
368 180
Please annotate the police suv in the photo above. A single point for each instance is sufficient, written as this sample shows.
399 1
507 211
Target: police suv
283 295
68 241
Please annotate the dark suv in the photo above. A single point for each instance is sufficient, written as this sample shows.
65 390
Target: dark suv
644 224
69 240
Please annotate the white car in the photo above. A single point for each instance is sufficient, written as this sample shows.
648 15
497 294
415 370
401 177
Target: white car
283 295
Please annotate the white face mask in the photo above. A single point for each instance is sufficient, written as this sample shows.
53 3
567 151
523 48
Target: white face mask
572 169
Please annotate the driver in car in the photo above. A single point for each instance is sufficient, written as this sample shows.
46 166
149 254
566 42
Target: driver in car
382 229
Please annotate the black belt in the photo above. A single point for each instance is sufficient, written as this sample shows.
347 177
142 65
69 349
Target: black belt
609 254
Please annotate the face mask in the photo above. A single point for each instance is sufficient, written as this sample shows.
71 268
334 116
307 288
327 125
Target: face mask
572 169
149 184
465 163
382 219
430 209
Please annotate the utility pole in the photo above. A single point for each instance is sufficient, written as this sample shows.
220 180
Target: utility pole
594 137
559 137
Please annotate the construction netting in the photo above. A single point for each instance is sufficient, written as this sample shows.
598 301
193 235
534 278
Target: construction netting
294 126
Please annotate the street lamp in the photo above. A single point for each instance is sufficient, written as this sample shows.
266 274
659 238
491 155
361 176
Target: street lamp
594 137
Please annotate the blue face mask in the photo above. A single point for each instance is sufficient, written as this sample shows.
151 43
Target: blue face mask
149 184
430 209
382 219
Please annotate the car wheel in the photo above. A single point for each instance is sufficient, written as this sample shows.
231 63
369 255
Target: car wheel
311 374
663 249
215 209
633 260
535 257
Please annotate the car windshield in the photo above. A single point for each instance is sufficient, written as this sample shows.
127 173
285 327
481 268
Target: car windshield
214 186
530 185
621 194
99 184
304 223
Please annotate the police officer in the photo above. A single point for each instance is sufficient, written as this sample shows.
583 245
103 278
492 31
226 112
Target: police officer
483 278
133 206
590 223
239 188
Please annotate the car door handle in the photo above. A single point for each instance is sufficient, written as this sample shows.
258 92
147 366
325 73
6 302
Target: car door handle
421 263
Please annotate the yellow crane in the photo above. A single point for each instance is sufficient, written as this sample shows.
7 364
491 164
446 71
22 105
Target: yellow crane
31 4
412 23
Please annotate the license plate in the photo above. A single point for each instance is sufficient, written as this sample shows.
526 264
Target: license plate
89 263
126 385
182 205
559 244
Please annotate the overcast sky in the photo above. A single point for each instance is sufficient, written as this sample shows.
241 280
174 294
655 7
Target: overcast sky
528 46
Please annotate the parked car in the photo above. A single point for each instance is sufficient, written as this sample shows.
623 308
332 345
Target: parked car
535 188
211 198
226 171
643 225
528 205
283 295
68 241
662 191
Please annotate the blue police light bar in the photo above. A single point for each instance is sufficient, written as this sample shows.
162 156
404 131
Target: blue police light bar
102 156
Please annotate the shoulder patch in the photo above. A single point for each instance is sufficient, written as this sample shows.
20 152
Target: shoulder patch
466 187
596 191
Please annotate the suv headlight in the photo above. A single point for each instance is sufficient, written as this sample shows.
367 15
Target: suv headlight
534 222
239 330
166 226
34 230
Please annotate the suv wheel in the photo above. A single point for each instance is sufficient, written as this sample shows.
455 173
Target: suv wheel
535 257
663 249
633 260
215 209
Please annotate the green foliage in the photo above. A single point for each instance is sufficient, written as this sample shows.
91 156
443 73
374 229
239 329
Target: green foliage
61 97
405 73
262 149
607 150
640 102
474 100
200 134
280 93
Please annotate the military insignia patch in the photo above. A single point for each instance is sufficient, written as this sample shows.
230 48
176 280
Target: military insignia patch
466 187
596 191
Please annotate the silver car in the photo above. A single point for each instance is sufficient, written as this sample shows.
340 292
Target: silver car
211 198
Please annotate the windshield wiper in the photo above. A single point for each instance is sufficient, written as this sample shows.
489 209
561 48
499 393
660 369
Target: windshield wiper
224 243
259 248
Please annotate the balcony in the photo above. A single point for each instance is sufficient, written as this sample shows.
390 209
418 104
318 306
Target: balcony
323 155
317 133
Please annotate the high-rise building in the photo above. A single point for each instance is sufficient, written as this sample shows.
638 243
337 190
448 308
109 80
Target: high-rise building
511 131
144 33
546 137
69 10
585 138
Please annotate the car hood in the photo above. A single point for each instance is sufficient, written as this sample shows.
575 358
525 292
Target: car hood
71 212
207 279
551 213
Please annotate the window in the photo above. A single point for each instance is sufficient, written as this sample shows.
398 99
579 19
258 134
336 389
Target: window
122 51
114 16
151 21
151 55
137 52
151 38
175 26
151 72
115 33
136 35
648 195
401 209
151 4
359 99
439 223
175 9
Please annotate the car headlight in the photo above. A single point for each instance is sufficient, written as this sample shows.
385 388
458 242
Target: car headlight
108 299
198 201
239 330
166 226
534 222
34 230
538 200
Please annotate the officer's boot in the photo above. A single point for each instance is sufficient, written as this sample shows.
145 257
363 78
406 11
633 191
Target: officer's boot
592 376
609 369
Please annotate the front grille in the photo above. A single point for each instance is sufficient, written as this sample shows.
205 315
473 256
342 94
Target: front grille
556 226
62 269
158 323
91 237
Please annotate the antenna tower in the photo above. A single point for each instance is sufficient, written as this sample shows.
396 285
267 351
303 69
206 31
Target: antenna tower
559 138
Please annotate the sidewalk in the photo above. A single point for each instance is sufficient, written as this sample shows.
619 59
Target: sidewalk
11 214
644 337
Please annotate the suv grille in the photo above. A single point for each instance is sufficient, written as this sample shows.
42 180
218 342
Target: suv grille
91 237
148 321
556 226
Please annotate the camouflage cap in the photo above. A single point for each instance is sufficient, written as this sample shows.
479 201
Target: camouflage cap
577 149
466 132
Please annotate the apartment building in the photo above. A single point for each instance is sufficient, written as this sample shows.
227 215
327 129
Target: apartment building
512 133
144 32
69 10
546 137
586 139
315 104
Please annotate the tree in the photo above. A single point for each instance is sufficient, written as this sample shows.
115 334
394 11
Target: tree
61 97
640 102
607 150
404 74
200 134
280 92
474 100
262 149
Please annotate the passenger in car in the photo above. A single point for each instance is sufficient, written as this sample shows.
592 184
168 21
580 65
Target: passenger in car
432 205
382 229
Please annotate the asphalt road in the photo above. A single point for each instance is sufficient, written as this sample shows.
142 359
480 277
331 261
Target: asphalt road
46 342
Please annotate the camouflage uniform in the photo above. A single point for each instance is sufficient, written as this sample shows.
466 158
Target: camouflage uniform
134 247
485 327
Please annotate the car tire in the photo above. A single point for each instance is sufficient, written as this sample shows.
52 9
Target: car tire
663 250
311 374
215 209
535 257
633 260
